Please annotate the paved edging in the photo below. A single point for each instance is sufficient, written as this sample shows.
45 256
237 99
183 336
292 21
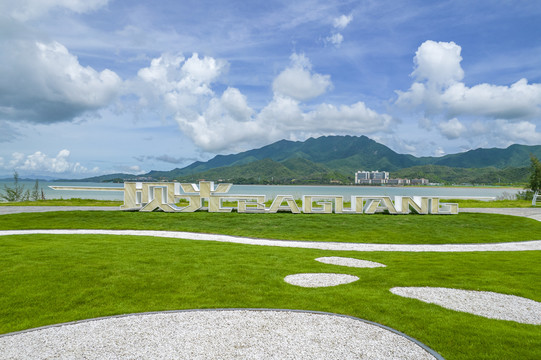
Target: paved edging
337 246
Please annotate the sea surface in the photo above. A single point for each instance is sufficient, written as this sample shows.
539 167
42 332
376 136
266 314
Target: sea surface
271 191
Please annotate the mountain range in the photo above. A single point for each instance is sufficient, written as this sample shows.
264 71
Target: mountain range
335 159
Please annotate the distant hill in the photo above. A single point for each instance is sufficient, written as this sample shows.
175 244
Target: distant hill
513 156
330 159
105 178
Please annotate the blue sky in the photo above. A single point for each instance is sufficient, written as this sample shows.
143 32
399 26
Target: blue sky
89 87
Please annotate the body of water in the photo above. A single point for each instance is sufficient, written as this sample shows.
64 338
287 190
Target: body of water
271 191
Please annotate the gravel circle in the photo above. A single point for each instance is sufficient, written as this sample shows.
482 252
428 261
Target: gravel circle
319 279
216 334
350 262
483 303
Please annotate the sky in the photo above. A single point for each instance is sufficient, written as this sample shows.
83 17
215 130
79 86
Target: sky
92 87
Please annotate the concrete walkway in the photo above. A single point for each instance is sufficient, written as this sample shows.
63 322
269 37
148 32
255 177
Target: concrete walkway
534 245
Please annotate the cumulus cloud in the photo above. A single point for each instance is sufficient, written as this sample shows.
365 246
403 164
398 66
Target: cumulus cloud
452 129
177 82
342 21
513 132
438 63
226 121
42 82
30 9
39 161
297 81
438 89
517 101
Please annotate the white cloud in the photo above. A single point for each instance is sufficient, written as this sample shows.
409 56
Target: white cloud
357 118
509 102
425 123
335 39
339 23
342 21
39 161
438 63
513 132
452 129
439 93
1 161
30 9
298 82
43 82
178 83
227 122
439 151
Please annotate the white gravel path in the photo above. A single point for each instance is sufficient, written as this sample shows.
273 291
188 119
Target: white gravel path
217 334
510 246
313 280
349 262
483 303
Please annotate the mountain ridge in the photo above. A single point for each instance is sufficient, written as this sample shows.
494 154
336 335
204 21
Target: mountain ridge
319 159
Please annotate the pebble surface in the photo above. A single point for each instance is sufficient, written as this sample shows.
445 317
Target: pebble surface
319 279
218 334
337 246
483 303
349 262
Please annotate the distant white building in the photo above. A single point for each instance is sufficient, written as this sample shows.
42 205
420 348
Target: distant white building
371 177
382 178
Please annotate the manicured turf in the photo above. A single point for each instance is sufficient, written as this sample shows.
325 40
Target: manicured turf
48 279
64 202
397 229
492 204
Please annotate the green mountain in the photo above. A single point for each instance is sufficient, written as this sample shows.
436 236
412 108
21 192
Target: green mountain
118 177
339 153
513 156
329 159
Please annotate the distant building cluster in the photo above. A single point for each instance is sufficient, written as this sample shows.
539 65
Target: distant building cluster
382 178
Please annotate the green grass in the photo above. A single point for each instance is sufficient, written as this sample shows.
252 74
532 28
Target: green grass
491 204
64 202
49 279
183 202
394 229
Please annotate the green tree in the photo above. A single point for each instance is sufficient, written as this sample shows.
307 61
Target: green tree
16 192
35 192
535 174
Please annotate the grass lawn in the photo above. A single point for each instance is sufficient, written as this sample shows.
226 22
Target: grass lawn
491 204
51 279
64 202
48 279
91 202
393 229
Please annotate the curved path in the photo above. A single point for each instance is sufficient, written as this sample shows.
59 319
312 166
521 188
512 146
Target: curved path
510 246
